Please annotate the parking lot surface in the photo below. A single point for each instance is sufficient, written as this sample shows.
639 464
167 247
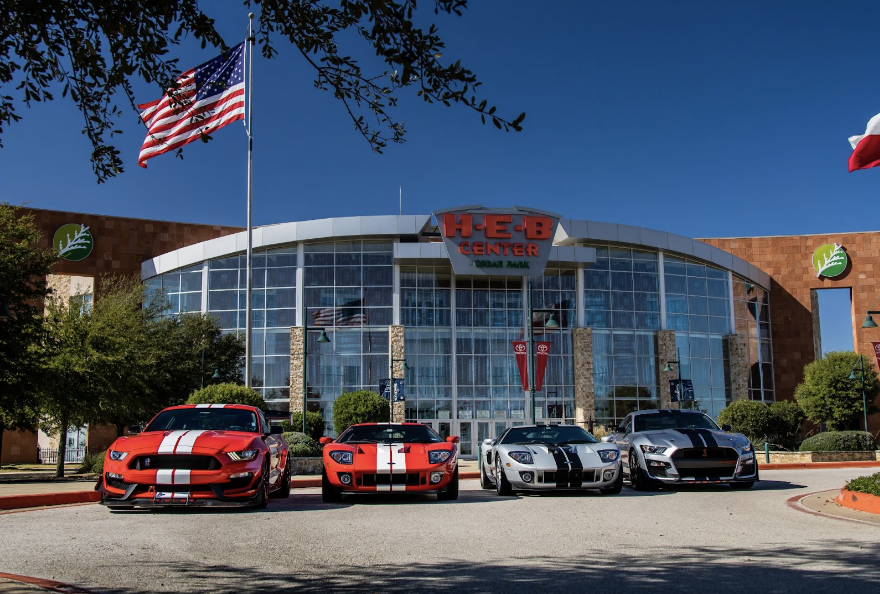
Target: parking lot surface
694 539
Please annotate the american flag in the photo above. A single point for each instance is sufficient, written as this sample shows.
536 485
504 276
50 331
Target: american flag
349 314
208 97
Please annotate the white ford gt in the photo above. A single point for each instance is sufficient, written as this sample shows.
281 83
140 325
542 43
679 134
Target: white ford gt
549 457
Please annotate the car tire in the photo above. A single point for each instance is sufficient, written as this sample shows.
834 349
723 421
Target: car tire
329 493
742 486
263 490
283 492
638 478
485 483
615 488
450 493
502 485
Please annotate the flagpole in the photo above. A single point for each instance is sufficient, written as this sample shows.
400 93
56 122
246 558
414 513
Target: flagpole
248 347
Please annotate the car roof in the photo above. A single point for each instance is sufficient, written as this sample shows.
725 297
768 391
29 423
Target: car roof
543 425
391 424
239 406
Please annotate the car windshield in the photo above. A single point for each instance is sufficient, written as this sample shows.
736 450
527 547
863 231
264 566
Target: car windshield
549 434
389 434
215 419
675 420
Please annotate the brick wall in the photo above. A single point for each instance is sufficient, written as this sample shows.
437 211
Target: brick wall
19 447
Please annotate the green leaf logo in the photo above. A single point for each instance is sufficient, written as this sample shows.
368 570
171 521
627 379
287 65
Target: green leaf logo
73 241
829 260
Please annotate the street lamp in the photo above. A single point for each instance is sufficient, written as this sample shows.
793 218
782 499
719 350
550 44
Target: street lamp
406 368
852 376
869 321
216 375
551 323
322 338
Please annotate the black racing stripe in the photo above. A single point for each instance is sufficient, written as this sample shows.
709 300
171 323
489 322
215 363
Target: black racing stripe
707 437
576 470
561 466
696 439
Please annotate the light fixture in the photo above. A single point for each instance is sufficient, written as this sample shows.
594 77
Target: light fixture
852 375
323 337
667 368
216 375
5 314
869 321
552 323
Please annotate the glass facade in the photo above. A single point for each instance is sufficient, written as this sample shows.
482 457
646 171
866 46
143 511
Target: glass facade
458 330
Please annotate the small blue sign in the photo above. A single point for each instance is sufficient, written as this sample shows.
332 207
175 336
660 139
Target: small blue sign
398 384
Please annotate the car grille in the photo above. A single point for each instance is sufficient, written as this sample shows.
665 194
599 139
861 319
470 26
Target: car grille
175 462
117 484
371 480
575 478
183 488
705 463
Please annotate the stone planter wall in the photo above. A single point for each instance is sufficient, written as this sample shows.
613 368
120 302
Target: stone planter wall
306 465
804 457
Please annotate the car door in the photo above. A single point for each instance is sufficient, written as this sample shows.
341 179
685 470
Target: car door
623 439
273 444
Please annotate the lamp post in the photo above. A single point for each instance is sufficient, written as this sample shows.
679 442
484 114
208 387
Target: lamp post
322 338
551 323
406 368
677 364
852 376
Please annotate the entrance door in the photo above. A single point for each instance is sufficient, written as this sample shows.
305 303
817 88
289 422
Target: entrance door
466 446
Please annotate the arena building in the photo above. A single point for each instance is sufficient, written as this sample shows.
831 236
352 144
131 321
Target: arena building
438 300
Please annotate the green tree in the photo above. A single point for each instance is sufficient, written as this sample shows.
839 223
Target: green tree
23 270
314 424
749 417
788 417
227 394
828 395
94 51
361 406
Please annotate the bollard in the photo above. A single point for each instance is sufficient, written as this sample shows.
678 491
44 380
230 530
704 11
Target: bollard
766 452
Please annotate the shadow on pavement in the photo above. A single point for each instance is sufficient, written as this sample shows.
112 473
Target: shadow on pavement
821 566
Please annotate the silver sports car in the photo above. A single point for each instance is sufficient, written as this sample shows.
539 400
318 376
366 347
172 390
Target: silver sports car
682 447
547 457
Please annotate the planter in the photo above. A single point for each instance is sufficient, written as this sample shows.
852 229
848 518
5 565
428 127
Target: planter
807 457
860 501
306 465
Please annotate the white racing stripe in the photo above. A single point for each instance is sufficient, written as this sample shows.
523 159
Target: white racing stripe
181 477
186 443
164 476
390 460
170 442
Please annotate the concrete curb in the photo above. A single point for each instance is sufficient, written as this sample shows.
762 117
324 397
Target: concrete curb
814 465
861 501
43 499
50 585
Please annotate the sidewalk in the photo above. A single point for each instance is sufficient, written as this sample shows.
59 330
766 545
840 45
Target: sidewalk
29 493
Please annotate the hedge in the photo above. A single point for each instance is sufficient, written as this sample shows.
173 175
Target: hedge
301 445
865 484
359 407
314 424
227 394
92 463
839 441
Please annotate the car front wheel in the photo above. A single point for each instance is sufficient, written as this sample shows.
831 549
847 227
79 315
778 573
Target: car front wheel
616 487
502 485
329 493
450 493
638 478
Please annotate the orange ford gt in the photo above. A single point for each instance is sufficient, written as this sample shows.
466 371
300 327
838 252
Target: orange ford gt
198 454
390 457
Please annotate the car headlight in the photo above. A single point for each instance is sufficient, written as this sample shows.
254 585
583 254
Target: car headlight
243 455
342 457
609 455
116 455
652 449
521 457
438 456
747 447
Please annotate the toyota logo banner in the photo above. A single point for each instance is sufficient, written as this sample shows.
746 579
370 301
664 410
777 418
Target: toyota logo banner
876 346
521 352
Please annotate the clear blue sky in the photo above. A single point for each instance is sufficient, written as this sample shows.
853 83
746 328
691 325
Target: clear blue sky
702 118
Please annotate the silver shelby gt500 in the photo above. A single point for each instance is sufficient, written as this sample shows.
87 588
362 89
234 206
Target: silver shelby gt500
682 447
546 457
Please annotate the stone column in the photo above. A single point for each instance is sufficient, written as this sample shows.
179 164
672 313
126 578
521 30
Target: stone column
297 368
666 353
738 362
584 392
397 352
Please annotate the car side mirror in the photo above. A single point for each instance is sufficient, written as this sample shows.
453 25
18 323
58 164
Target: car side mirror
453 439
326 440
488 442
727 428
607 439
276 429
134 429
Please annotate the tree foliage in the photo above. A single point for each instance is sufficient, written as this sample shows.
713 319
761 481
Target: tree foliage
779 423
314 424
828 395
94 51
839 441
361 406
227 393
23 270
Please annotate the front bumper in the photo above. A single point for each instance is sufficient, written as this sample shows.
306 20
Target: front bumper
413 480
688 466
552 479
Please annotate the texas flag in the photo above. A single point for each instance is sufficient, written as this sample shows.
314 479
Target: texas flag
866 147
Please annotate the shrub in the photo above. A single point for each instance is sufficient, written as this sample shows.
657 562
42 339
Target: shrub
227 394
361 406
314 424
92 463
787 418
839 441
749 417
865 484
301 445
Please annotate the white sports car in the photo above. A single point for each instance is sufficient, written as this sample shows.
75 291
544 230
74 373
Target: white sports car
549 457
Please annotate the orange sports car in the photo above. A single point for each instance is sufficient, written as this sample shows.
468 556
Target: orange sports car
198 454
389 458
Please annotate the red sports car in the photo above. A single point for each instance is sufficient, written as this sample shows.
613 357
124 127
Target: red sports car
389 457
198 454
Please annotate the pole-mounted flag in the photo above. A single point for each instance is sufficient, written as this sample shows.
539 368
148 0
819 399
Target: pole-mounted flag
207 98
866 147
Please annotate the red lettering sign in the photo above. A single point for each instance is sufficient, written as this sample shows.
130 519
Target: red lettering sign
496 226
451 225
538 227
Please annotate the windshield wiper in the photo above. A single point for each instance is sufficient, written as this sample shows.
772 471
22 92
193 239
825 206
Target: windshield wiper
361 441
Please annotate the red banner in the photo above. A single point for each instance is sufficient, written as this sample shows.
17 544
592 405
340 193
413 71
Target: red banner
541 363
876 346
520 351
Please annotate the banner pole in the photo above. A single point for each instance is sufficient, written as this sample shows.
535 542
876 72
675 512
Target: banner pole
248 346
531 352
